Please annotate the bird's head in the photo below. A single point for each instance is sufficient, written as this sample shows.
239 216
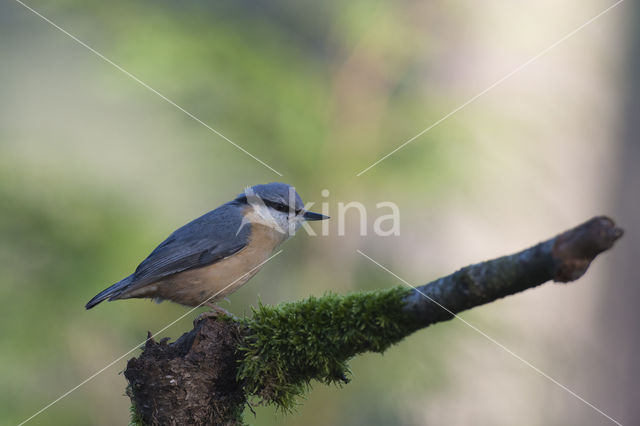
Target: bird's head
279 206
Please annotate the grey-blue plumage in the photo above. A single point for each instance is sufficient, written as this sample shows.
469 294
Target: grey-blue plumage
199 243
210 239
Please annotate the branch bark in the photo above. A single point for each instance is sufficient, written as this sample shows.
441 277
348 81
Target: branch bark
563 258
206 376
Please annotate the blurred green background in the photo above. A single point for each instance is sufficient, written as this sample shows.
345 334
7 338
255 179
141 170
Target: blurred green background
96 170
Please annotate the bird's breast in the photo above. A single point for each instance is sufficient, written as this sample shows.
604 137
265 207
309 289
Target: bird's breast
222 278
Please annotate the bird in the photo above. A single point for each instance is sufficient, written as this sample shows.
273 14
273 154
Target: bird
212 256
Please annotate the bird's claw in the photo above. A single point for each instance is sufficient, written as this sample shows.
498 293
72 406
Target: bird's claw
215 312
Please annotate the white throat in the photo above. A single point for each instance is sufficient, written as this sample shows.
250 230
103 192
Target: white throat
280 221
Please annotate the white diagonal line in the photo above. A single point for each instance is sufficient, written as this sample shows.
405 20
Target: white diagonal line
494 84
143 342
509 351
145 85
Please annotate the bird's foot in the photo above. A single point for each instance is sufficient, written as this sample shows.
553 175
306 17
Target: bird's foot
215 312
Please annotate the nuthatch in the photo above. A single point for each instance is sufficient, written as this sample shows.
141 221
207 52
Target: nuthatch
213 255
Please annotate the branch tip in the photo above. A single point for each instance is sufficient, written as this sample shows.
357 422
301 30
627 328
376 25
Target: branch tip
574 249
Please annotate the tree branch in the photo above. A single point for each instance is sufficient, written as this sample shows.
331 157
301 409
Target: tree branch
561 259
206 375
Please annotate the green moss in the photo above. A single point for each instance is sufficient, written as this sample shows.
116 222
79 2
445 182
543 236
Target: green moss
290 345
136 418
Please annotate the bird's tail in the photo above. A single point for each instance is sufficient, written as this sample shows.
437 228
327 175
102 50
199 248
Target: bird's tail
110 293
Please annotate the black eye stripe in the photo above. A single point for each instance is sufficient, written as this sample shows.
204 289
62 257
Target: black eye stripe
273 204
278 206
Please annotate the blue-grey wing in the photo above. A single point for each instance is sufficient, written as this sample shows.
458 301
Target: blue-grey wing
203 241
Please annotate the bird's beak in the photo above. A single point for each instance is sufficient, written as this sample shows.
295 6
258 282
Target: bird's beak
314 216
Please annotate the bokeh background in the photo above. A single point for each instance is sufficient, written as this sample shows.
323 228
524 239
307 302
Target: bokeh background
95 170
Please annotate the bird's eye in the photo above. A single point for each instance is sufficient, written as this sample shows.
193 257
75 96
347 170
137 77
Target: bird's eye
281 207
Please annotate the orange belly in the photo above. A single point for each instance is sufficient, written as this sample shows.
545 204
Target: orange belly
218 280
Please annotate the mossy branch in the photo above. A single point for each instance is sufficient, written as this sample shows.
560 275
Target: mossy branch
206 375
288 346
